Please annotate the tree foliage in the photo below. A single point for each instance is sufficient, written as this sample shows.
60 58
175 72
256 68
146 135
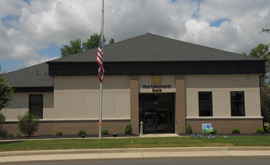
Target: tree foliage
76 46
2 119
265 101
111 41
261 51
6 92
28 123
92 42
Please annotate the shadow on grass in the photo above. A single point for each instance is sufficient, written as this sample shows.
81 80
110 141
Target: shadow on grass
9 142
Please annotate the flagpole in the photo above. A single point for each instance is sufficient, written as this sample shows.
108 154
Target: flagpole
100 98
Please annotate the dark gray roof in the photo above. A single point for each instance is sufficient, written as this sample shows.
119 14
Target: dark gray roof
151 47
34 76
147 47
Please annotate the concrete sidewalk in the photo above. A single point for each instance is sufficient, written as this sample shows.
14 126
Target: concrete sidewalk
55 156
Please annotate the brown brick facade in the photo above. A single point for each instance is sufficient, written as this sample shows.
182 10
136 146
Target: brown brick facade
71 127
134 103
226 125
180 104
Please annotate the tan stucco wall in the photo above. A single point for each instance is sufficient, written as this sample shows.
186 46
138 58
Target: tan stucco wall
220 86
20 105
78 97
165 80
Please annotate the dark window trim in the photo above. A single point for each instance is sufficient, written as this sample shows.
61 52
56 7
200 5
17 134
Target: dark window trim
209 100
238 101
36 103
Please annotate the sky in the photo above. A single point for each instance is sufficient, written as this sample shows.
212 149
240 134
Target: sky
33 31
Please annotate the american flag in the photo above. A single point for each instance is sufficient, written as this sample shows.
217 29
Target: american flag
99 61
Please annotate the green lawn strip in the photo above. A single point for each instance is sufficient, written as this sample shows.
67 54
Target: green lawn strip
58 144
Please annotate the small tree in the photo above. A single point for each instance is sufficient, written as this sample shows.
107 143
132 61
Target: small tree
3 133
28 124
6 92
2 119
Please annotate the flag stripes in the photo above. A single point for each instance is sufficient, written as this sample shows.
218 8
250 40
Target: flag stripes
99 61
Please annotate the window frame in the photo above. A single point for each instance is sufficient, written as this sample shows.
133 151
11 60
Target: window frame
243 102
211 114
36 103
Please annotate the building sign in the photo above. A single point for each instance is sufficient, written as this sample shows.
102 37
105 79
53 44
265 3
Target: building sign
208 127
156 80
156 86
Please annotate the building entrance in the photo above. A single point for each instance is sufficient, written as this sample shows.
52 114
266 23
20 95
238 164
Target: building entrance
157 112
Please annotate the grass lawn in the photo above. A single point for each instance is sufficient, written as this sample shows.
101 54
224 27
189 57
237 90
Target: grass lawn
132 143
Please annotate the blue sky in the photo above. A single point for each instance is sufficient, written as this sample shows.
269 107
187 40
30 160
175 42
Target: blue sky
33 32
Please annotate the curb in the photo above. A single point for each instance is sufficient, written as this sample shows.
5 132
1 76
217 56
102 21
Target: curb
133 159
130 150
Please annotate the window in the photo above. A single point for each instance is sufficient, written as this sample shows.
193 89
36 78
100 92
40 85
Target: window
36 105
237 104
205 104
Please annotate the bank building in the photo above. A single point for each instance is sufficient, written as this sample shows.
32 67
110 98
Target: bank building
164 83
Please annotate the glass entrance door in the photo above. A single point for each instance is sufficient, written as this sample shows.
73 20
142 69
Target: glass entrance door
157 112
150 119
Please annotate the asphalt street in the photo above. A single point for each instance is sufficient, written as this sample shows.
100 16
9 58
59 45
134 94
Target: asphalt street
176 162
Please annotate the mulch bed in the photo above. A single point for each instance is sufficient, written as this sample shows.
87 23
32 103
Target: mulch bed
67 136
241 134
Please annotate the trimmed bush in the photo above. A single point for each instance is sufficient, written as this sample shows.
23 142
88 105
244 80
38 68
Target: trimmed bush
104 132
236 131
82 131
259 130
28 124
59 133
214 131
188 129
267 129
10 135
128 129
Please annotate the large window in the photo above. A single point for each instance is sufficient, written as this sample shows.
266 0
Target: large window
36 105
237 104
205 104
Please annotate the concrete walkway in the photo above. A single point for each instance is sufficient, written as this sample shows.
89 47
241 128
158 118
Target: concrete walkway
55 156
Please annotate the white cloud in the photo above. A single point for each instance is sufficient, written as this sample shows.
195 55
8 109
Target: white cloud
41 60
42 22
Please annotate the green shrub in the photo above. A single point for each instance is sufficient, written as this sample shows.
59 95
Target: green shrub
3 133
236 131
59 133
18 134
259 130
2 119
104 132
28 124
267 129
10 135
82 131
128 129
188 129
214 131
